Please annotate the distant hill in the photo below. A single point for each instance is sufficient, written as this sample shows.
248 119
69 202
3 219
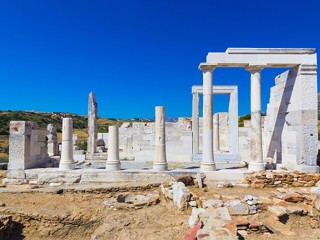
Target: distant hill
42 119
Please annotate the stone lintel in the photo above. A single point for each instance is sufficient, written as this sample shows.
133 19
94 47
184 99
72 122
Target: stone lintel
207 66
217 89
273 59
270 50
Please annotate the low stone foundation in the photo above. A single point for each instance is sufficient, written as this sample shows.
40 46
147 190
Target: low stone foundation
272 179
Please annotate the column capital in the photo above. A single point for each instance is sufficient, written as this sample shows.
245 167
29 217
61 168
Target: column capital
207 67
254 68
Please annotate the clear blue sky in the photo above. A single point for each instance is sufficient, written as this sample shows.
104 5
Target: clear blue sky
138 54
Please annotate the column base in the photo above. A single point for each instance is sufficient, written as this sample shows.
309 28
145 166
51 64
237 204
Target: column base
160 167
66 166
113 166
205 167
253 166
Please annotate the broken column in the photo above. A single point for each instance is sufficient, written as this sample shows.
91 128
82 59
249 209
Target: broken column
92 124
113 162
160 161
53 148
67 162
207 163
216 132
256 163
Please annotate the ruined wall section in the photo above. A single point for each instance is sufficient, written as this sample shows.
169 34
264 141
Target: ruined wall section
137 141
290 129
27 148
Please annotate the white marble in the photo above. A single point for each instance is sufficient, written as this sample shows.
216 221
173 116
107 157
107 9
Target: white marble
160 161
216 139
195 122
232 91
256 163
92 124
113 162
207 163
67 162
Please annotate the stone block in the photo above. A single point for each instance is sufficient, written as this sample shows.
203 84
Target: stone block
21 127
237 207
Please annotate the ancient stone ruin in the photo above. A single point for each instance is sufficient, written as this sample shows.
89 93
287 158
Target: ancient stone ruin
208 167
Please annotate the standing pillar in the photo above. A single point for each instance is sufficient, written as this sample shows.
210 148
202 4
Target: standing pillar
233 122
160 161
195 123
67 162
92 124
207 163
216 143
256 163
113 162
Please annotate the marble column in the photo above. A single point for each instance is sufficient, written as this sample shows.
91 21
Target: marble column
160 161
67 162
207 163
92 124
256 163
216 143
195 123
233 122
113 162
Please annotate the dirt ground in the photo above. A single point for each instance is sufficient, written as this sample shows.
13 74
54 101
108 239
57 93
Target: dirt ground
81 215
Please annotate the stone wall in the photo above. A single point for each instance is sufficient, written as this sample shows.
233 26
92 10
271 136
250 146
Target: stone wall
223 131
291 134
137 141
272 179
27 148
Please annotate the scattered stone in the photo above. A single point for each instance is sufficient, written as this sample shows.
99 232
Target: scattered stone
316 203
203 234
200 177
237 207
193 203
130 201
192 233
295 209
243 233
223 213
278 211
181 195
167 191
212 202
293 197
277 227
195 216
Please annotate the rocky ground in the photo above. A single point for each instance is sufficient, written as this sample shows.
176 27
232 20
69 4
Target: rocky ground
142 211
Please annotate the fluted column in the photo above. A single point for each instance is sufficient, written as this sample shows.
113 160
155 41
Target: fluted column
160 161
67 162
256 163
113 162
195 123
207 163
